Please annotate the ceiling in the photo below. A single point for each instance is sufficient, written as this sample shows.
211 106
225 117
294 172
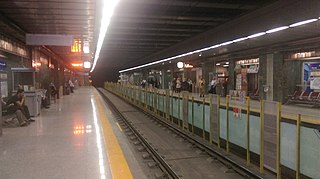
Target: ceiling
67 17
138 28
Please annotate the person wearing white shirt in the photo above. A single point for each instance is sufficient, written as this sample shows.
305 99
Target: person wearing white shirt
213 85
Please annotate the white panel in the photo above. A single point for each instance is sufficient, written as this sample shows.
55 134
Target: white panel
49 39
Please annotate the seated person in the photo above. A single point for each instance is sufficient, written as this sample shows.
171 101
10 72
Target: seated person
16 105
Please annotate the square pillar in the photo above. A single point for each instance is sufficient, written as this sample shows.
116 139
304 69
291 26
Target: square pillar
231 78
271 77
208 70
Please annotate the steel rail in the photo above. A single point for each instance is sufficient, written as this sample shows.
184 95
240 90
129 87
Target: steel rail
165 167
221 157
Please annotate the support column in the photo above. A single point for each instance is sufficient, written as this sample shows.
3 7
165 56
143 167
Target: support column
232 78
269 84
292 76
208 70
278 80
271 76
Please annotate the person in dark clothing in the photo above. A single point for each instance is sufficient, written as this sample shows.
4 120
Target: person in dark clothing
173 85
17 105
185 85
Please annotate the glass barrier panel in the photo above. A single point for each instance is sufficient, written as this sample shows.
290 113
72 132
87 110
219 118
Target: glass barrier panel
310 145
215 121
270 112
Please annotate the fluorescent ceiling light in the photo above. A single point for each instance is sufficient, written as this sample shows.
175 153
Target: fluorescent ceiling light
226 43
302 22
227 63
240 39
277 29
256 35
218 64
107 12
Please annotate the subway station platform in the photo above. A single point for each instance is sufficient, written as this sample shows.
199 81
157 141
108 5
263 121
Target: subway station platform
74 138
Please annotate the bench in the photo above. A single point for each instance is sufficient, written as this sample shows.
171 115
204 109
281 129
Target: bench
255 94
304 97
9 119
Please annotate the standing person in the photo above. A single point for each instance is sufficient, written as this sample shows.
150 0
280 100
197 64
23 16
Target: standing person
213 85
173 85
178 85
143 83
225 87
190 85
185 85
201 86
71 86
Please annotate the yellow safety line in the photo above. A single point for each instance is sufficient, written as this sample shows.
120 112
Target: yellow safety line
117 161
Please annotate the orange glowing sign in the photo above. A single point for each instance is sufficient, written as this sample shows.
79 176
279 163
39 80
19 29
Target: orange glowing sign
76 46
36 64
76 64
186 65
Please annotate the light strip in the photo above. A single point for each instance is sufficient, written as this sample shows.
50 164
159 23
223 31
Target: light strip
107 12
222 44
256 35
226 43
277 29
240 39
303 22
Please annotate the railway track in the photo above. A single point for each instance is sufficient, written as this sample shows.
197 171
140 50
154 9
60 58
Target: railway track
194 153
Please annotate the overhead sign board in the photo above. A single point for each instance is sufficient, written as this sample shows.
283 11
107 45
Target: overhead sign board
49 39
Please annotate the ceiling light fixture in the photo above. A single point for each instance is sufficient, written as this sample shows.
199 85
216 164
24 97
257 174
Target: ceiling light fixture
226 43
303 22
107 12
240 39
277 29
218 45
256 35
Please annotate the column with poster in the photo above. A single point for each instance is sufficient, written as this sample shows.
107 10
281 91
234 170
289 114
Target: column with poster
238 96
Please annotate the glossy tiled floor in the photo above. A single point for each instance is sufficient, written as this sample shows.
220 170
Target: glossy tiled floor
65 142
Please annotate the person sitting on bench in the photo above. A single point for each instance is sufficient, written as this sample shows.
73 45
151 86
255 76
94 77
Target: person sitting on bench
17 105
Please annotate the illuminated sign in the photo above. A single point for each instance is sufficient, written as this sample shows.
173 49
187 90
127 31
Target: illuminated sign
180 64
36 64
76 64
186 65
303 55
76 46
248 61
86 64
3 64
